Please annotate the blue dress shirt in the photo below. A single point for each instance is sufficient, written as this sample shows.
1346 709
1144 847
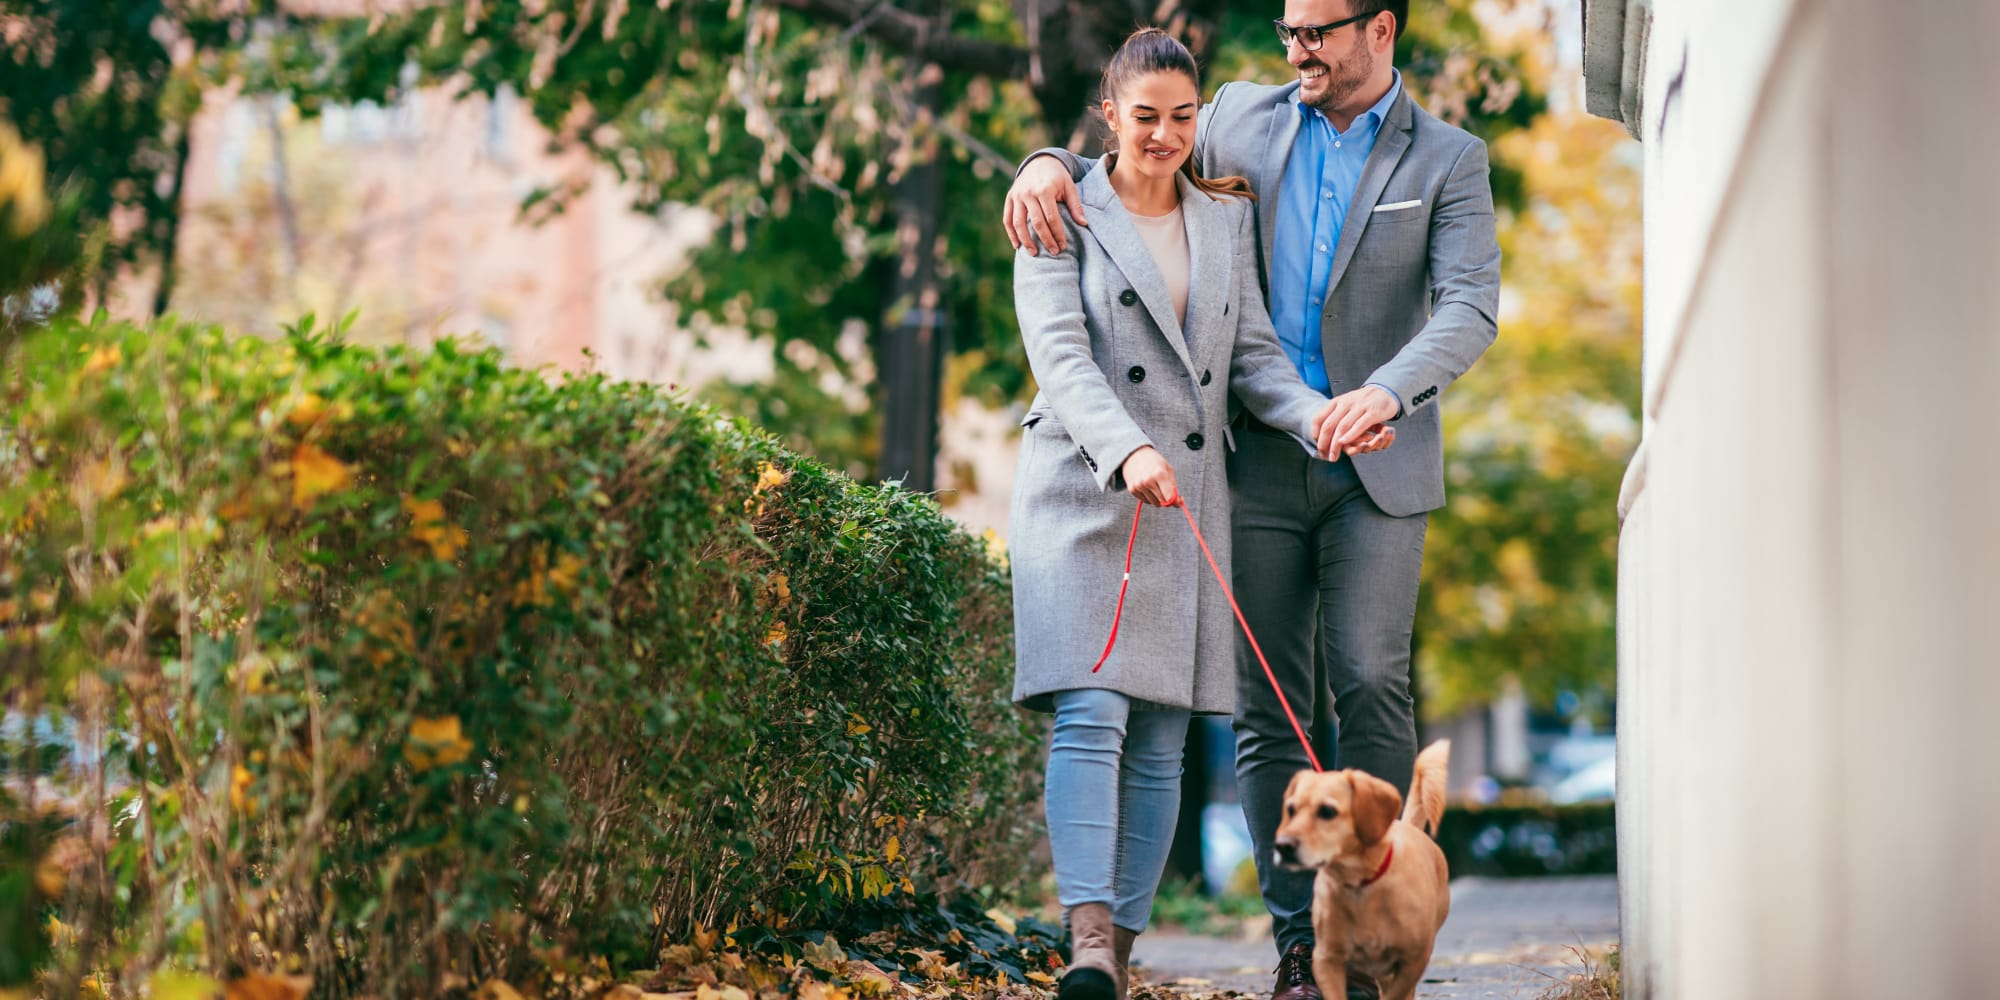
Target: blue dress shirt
1320 178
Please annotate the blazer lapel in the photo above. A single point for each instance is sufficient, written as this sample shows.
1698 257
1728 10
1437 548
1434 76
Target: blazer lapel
1389 146
1284 128
1113 229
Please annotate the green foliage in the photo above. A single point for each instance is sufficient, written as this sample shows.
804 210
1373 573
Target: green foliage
391 667
1521 565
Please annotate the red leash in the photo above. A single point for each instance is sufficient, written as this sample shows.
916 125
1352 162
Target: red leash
1132 542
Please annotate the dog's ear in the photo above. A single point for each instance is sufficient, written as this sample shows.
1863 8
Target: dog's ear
1376 803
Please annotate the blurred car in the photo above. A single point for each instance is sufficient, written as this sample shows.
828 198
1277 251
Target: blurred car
1593 782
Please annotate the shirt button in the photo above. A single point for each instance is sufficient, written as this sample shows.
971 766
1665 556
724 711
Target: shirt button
1336 143
1316 302
1322 248
1326 194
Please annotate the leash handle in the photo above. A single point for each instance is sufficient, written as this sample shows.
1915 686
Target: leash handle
1215 568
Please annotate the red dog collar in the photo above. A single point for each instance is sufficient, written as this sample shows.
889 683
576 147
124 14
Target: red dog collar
1383 870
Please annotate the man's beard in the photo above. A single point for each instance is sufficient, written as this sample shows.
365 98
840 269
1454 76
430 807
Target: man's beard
1347 76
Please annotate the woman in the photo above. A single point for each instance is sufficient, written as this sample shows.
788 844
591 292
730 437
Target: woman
1138 334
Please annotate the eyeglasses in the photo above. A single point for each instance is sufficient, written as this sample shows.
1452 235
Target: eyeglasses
1311 36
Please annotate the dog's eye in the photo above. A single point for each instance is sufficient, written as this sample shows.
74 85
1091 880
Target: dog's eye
1328 812
1291 808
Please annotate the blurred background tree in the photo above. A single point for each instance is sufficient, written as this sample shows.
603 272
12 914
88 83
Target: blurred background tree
853 154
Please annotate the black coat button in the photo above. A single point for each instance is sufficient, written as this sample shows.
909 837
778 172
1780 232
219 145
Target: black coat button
1194 442
1204 376
1128 296
1137 374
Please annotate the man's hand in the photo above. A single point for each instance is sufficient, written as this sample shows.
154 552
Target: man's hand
1150 478
1354 423
1032 202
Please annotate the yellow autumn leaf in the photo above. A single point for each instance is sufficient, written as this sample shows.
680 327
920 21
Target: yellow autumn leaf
892 850
704 939
240 780
563 576
102 359
779 590
777 635
856 727
306 412
1001 920
1041 977
769 477
436 742
429 527
315 474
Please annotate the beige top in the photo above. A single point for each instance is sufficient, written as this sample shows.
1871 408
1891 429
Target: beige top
1166 239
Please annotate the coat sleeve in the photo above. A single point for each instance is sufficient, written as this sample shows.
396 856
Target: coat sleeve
1465 288
1048 300
1261 376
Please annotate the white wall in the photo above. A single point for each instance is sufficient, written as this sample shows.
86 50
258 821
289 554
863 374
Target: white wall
1809 782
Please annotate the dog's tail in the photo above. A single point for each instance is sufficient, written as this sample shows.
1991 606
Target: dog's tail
1425 806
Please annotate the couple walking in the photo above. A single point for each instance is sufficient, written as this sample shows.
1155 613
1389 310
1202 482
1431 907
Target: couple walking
1142 282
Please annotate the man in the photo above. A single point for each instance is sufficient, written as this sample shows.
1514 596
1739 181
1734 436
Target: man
1383 277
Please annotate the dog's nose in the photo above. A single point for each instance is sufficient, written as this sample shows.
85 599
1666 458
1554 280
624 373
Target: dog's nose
1286 852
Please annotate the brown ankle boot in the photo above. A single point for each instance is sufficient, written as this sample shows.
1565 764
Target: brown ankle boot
1093 960
1121 948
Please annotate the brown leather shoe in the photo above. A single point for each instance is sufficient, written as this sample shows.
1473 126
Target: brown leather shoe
1295 975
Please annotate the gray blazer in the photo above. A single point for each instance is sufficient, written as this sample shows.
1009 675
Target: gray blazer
1415 294
1117 372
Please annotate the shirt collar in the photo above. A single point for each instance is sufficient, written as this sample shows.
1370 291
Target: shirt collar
1371 119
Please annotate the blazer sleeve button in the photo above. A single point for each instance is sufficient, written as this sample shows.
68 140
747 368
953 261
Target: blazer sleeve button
1195 441
1137 374
1128 296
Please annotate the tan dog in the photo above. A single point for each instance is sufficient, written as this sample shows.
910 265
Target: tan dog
1382 891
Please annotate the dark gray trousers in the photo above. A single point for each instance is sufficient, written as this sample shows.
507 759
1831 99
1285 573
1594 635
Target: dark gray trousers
1316 561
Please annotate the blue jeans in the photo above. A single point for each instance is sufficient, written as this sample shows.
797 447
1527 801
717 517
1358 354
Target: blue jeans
1113 794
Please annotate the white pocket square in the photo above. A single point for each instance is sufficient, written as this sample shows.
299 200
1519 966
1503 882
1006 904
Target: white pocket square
1399 206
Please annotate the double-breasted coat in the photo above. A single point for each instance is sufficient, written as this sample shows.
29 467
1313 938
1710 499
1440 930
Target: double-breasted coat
1117 371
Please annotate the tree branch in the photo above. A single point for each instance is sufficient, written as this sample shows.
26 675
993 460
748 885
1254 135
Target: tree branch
917 36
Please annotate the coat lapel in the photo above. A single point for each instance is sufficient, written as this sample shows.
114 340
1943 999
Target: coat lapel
1389 146
1211 252
1113 229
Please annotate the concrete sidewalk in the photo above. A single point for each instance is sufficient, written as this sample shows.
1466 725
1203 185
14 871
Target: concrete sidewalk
1506 938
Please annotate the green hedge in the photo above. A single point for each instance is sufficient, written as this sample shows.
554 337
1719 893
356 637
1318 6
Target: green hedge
393 667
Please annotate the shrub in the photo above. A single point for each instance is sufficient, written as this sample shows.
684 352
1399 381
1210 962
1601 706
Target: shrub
399 667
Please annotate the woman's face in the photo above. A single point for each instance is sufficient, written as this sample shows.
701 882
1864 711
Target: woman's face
1153 118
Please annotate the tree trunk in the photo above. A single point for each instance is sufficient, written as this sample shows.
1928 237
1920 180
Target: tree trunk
163 295
914 336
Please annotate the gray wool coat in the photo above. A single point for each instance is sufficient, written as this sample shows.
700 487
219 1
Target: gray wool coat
1116 373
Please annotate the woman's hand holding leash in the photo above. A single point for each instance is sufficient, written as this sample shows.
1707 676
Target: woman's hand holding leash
1150 478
